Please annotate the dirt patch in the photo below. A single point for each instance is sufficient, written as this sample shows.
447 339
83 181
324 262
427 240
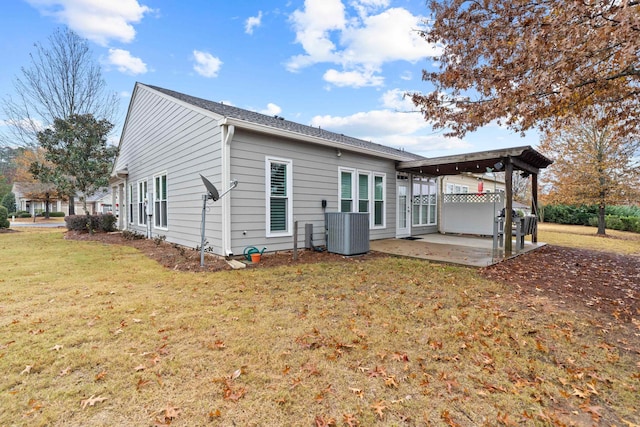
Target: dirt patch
603 281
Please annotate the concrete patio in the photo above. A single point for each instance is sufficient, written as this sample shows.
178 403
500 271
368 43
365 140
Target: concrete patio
450 248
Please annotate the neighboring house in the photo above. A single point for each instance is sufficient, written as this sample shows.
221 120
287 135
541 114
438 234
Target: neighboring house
30 197
472 183
286 173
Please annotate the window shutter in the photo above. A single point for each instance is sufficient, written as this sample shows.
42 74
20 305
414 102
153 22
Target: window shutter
278 202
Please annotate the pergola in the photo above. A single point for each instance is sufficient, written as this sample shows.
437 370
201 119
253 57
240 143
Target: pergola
525 159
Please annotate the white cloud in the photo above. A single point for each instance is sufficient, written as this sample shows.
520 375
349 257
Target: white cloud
28 124
396 100
328 34
252 22
397 124
353 78
313 26
206 64
373 124
427 145
365 7
125 63
389 36
97 20
407 75
271 110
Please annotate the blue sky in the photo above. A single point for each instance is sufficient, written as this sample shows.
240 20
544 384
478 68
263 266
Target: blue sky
343 65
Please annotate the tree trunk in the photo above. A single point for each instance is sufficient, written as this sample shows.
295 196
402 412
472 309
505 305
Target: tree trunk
601 222
47 199
72 205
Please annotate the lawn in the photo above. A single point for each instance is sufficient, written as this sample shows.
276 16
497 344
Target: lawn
99 335
585 237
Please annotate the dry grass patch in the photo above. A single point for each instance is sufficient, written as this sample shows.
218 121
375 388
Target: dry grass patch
92 334
577 236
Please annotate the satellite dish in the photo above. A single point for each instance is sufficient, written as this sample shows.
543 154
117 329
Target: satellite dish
211 189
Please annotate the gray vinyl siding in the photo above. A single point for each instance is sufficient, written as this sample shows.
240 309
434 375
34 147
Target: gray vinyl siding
315 178
162 136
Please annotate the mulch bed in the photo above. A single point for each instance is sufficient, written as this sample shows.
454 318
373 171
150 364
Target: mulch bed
180 258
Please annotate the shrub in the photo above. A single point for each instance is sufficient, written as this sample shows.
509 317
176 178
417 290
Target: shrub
4 221
91 223
56 214
23 214
107 222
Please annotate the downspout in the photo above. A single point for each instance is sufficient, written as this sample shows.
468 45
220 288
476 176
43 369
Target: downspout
226 135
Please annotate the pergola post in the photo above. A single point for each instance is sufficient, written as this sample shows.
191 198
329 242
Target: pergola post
508 217
534 205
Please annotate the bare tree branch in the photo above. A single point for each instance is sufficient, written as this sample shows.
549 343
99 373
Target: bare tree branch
62 79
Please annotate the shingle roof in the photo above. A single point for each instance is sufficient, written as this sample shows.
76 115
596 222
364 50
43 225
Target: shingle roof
286 125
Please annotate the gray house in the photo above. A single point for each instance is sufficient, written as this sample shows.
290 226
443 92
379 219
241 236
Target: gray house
286 172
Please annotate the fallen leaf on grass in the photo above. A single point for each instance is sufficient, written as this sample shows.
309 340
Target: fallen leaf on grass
26 370
349 420
141 383
101 375
139 368
56 347
91 401
391 381
592 410
322 421
446 417
65 371
379 408
170 413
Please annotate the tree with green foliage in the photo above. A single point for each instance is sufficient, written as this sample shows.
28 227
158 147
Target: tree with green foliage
79 154
9 201
5 187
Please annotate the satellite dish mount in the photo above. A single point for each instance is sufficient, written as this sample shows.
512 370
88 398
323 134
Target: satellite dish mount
212 194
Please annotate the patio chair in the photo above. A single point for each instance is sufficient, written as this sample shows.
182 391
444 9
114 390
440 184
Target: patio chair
519 227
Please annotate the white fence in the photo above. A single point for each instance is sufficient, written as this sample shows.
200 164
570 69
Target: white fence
470 213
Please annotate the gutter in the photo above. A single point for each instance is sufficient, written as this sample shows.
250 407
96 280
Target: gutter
227 132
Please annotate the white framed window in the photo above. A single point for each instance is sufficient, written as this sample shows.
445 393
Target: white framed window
160 201
456 189
130 204
363 191
142 202
279 202
379 197
424 201
347 189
